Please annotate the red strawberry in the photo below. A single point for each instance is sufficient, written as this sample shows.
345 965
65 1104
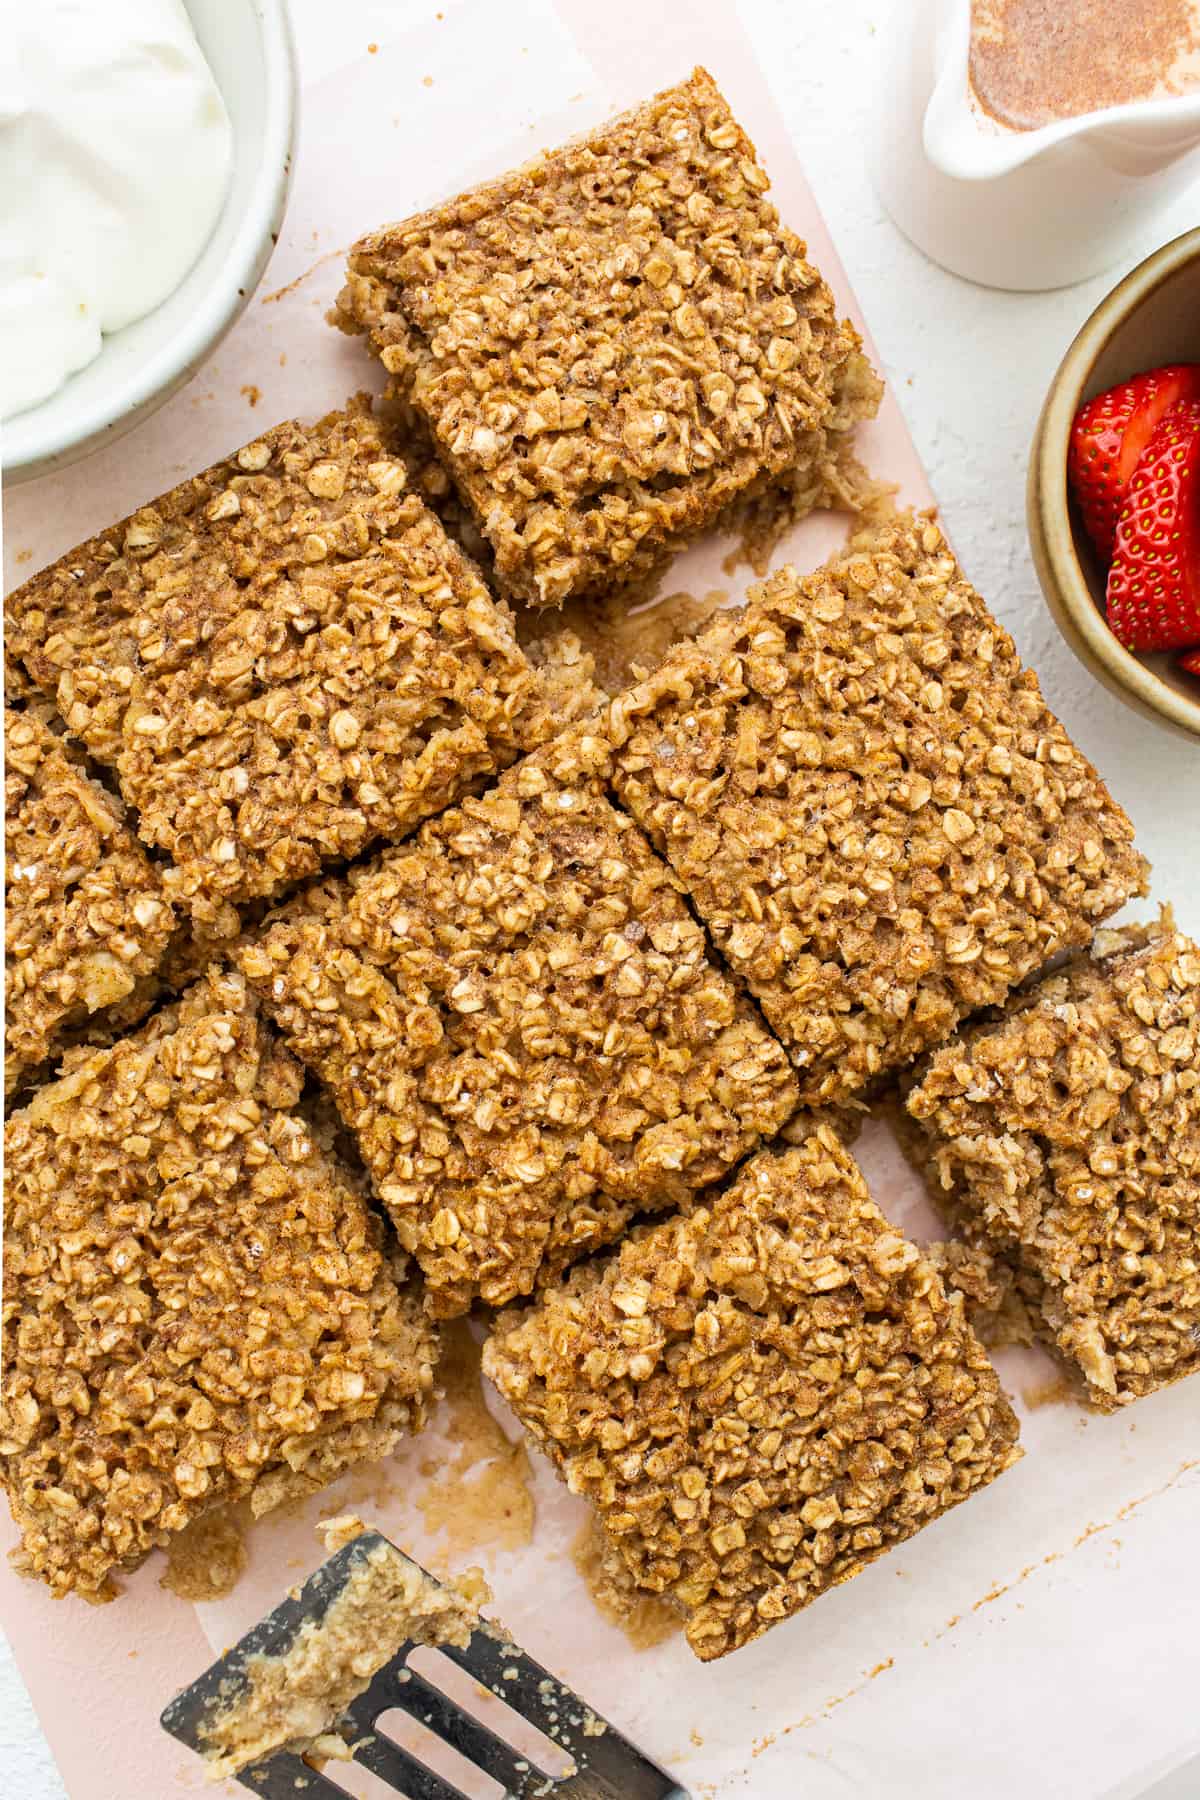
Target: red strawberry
1154 582
1191 662
1110 434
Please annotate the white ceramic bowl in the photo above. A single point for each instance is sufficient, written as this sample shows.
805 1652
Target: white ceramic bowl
249 49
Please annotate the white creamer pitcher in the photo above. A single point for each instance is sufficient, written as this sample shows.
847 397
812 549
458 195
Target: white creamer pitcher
1016 209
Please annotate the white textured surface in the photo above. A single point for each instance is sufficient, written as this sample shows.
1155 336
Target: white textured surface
971 368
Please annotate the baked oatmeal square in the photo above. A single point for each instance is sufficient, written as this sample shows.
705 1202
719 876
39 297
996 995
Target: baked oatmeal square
86 920
521 1024
611 344
870 805
1064 1138
760 1395
197 1307
283 659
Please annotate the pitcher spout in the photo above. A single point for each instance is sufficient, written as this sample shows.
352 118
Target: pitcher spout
963 142
959 140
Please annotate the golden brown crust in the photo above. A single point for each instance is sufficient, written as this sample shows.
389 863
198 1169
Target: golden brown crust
1065 1137
760 1395
871 806
520 1022
283 659
86 920
610 344
195 1303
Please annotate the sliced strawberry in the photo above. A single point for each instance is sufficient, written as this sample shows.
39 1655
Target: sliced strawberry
1108 438
1154 582
1190 661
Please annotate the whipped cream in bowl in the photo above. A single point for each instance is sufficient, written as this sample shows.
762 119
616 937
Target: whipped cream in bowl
145 155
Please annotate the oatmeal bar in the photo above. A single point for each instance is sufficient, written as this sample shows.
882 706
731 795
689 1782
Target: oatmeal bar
283 659
1065 1137
293 1699
611 344
86 920
520 1022
760 1395
870 805
196 1306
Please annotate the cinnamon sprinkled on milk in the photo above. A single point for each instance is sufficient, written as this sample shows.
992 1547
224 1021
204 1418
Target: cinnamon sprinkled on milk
1034 61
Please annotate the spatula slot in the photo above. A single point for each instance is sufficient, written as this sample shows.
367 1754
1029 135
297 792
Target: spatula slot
492 1711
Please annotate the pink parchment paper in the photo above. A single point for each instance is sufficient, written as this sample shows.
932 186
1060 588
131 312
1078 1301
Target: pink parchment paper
1040 1641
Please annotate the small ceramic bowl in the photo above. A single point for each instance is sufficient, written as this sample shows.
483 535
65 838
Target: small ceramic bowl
249 49
1150 318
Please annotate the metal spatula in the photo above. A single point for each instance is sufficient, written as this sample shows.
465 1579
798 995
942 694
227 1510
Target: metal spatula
606 1765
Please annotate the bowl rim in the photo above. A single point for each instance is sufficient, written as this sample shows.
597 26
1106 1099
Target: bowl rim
1051 531
165 371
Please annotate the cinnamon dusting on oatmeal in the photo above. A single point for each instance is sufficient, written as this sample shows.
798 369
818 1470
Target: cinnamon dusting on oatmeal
605 643
482 1498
